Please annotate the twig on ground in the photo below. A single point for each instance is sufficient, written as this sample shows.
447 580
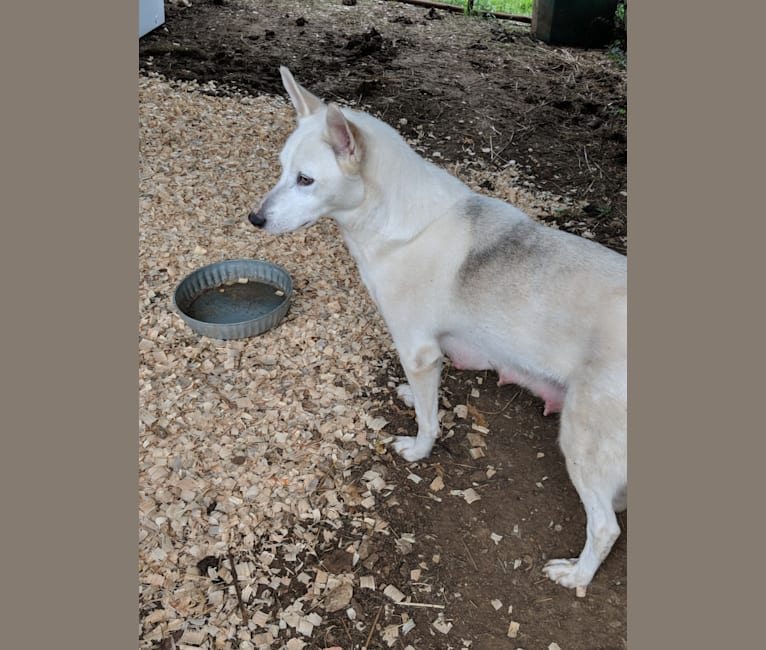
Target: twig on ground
238 589
372 627
434 606
469 555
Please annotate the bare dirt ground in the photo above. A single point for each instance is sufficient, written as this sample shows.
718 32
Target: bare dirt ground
484 99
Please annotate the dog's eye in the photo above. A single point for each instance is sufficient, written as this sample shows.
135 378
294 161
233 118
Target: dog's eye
304 180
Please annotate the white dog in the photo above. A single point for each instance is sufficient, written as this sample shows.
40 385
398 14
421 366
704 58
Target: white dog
459 274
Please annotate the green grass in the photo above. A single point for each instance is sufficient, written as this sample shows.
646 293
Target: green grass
518 7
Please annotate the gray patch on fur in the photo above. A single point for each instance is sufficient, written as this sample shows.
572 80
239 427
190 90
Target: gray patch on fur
512 256
497 240
474 209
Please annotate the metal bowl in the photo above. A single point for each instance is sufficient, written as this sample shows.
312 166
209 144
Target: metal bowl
234 299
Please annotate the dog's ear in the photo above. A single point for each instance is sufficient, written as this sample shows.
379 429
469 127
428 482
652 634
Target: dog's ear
305 103
344 139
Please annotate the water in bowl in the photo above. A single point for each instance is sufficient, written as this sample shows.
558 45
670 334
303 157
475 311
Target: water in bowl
235 303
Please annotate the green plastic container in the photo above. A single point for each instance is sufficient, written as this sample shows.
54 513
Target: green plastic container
579 23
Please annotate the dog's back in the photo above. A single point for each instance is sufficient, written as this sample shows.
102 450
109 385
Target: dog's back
521 294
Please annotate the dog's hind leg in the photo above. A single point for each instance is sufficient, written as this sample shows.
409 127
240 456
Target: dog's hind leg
602 532
423 370
594 441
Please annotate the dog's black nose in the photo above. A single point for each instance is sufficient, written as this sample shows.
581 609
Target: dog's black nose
257 219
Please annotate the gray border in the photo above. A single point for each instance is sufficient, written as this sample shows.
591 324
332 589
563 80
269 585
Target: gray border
69 461
693 334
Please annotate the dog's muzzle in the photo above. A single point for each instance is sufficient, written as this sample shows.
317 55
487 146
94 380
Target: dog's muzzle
257 219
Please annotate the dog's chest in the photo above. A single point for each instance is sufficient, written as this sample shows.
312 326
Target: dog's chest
406 281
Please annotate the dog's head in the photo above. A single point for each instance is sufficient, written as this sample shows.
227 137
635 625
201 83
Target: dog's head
321 164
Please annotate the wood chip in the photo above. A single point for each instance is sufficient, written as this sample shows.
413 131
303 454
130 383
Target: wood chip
437 484
496 604
393 593
390 634
441 624
376 424
470 495
338 597
513 629
374 480
305 627
476 440
193 637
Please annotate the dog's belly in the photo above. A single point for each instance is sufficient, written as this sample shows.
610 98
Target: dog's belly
469 356
551 392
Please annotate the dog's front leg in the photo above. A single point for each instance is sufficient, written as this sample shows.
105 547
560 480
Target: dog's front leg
423 370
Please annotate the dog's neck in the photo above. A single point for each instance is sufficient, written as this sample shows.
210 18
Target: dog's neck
405 193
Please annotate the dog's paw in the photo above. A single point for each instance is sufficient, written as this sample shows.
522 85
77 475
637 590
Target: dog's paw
566 573
409 448
404 391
